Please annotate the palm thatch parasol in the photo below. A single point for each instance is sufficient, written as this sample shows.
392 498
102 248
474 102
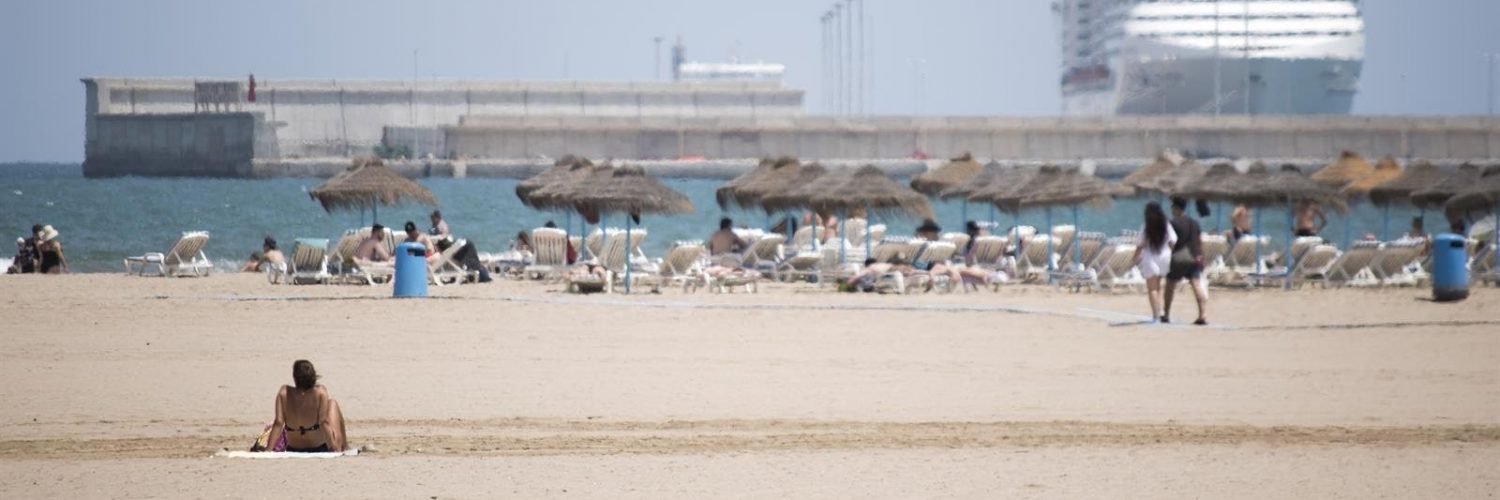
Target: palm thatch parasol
1348 168
1220 183
955 172
1073 188
1144 179
869 188
1173 182
1006 191
368 183
769 177
628 190
1289 185
1434 195
569 168
1400 189
1385 171
560 195
987 175
1481 196
795 193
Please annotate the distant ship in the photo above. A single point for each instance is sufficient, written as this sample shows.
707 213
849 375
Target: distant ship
1134 57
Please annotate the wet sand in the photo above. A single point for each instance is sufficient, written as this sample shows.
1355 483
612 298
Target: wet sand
125 387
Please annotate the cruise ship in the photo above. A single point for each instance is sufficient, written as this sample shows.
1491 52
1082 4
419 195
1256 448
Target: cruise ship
1285 57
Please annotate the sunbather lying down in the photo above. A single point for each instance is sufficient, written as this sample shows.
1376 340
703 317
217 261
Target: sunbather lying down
311 417
586 274
867 278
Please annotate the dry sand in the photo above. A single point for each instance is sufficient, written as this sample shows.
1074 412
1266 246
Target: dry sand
124 387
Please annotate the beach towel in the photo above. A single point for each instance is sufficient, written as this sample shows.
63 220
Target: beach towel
285 454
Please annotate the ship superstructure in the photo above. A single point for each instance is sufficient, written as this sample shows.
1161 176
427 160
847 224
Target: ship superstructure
1210 56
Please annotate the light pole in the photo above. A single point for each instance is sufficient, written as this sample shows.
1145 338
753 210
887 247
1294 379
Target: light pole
656 58
917 77
1492 57
849 56
1218 64
838 52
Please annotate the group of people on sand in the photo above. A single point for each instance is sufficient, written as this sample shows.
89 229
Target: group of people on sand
373 249
39 253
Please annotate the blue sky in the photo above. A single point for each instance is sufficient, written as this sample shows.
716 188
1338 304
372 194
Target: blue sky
995 57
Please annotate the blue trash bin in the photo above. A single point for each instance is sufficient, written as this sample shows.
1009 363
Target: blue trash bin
1450 274
411 270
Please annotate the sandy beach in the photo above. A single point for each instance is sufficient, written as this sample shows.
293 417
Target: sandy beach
126 387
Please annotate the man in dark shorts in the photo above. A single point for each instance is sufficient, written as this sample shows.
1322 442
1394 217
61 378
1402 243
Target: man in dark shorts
1189 240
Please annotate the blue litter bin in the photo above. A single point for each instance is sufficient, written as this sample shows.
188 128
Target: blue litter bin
411 270
1450 276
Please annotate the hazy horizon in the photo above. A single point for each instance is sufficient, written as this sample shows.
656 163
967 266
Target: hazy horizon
981 57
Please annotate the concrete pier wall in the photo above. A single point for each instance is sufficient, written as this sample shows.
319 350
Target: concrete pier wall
177 145
1001 138
347 117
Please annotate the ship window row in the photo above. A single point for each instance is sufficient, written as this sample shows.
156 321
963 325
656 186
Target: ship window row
1210 34
1236 17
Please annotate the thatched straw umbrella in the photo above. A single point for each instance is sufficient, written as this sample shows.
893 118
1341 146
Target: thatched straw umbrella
1072 189
986 176
1482 197
1144 179
869 188
733 192
628 190
1400 189
1348 168
794 193
1003 189
1434 195
368 183
956 172
559 195
1385 171
1288 186
566 169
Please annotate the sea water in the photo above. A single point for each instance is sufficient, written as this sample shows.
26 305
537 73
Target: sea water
101 221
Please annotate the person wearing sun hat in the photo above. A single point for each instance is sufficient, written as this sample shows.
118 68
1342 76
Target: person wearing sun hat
50 252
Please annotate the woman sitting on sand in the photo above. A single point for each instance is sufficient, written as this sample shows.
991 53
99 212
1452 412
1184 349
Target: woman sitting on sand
311 417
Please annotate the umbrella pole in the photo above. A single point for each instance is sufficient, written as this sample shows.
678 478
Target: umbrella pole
1291 259
1496 233
842 243
1219 216
374 214
992 214
1385 228
1347 217
1077 255
1259 265
627 254
868 214
963 212
1049 241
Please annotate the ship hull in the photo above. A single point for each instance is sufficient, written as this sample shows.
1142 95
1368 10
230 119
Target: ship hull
1186 86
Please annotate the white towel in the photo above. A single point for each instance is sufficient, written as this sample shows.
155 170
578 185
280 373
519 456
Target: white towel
284 454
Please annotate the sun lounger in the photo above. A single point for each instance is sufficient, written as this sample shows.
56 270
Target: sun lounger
988 250
551 246
1034 259
185 258
1062 238
617 255
1352 268
1242 255
341 254
683 264
877 232
804 239
764 253
309 262
959 240
1089 244
443 270
1215 250
854 231
1313 265
889 249
1392 264
1482 266
1117 267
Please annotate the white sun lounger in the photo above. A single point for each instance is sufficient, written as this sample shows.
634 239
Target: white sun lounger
551 245
959 240
988 250
1392 264
764 253
309 262
185 258
1117 268
443 270
683 264
1352 268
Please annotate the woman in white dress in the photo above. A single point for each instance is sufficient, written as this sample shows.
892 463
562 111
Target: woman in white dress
1153 255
